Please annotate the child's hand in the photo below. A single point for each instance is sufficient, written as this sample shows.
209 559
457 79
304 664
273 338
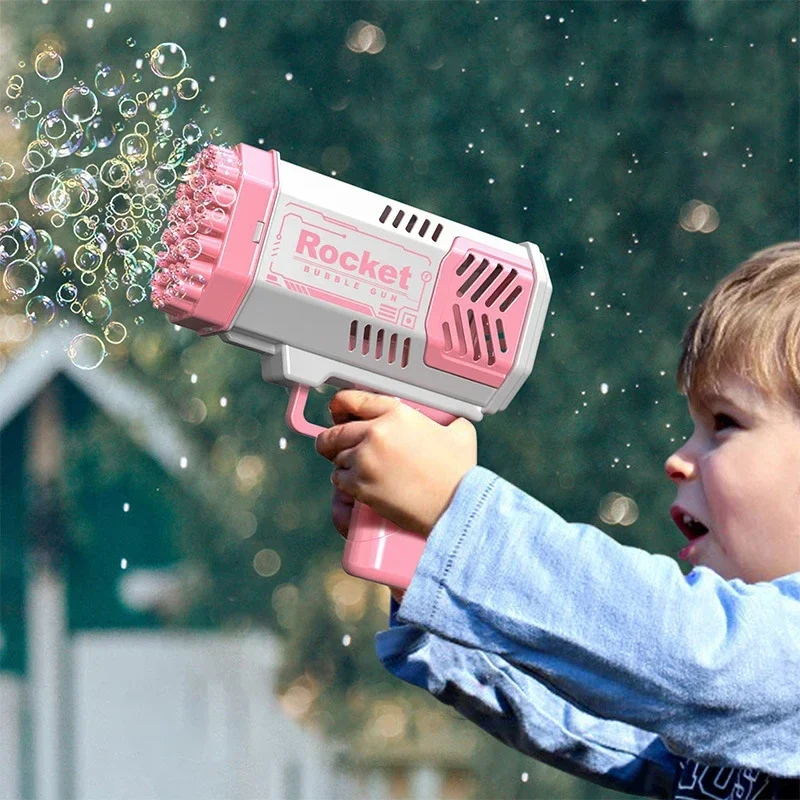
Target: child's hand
400 463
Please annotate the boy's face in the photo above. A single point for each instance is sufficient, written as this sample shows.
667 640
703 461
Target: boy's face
739 475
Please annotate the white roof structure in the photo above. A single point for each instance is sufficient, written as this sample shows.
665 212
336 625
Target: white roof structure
146 419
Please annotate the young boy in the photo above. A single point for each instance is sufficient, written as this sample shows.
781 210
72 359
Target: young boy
602 660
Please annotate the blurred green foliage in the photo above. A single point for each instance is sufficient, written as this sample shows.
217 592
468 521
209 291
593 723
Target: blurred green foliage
584 127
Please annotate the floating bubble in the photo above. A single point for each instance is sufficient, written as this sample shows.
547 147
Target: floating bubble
164 175
133 146
32 107
86 351
192 132
64 133
9 217
84 228
79 103
102 131
115 332
67 294
187 88
40 190
40 310
6 171
96 309
21 277
74 192
48 65
88 257
18 242
44 246
161 103
114 173
135 294
41 153
130 41
128 107
168 60
109 81
55 259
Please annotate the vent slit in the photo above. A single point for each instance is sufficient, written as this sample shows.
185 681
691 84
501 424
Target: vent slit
365 345
425 225
448 339
476 339
386 212
392 348
472 278
353 332
411 223
379 344
487 333
462 342
464 264
487 283
501 288
506 304
436 233
501 335
406 351
400 215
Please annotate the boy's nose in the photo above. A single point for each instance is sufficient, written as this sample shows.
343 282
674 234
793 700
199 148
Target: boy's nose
679 468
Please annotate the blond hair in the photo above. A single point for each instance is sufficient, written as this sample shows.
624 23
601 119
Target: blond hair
748 326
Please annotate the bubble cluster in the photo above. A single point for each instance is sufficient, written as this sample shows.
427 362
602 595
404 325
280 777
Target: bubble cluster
95 171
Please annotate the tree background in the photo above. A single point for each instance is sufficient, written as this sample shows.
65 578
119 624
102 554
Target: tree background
584 127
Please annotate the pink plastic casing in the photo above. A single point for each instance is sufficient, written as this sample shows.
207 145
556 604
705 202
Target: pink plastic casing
213 239
468 288
376 549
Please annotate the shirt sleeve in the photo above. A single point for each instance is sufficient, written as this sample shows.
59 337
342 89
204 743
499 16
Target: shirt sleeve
522 712
709 666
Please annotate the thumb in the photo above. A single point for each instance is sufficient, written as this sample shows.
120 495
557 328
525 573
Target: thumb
349 403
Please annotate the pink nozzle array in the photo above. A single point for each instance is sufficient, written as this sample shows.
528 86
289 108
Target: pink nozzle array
207 259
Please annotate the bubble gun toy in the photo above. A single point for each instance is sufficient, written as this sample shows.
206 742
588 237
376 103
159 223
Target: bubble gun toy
334 284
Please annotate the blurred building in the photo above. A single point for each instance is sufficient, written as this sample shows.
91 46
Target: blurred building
99 697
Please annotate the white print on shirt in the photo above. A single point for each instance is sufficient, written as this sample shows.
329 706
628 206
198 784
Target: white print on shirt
699 782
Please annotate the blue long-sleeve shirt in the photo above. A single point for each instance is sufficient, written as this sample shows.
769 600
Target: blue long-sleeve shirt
599 659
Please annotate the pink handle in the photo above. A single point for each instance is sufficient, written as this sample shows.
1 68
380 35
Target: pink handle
376 549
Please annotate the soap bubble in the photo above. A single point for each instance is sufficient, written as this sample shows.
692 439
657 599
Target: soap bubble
64 133
21 277
96 309
40 310
192 132
41 153
133 146
115 332
74 192
40 191
9 217
161 103
135 294
33 108
53 260
114 173
168 60
187 88
102 131
67 293
128 107
86 351
6 171
48 65
79 103
88 257
109 81
18 242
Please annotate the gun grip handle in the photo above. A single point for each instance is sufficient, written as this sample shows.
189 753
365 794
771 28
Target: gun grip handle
376 549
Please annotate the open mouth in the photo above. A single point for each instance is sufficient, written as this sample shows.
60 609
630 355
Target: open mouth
689 526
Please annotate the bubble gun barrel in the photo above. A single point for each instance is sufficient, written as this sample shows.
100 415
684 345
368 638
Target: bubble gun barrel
333 284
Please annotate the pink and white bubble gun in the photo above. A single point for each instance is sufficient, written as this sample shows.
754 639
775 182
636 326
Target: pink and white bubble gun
334 284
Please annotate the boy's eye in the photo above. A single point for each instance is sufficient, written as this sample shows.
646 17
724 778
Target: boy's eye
723 421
